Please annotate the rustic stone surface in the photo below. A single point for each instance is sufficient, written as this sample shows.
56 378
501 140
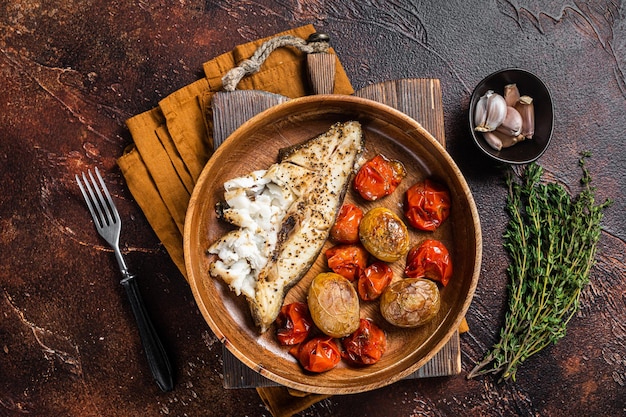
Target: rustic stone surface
73 72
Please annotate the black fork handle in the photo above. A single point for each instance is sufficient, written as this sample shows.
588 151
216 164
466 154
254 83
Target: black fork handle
158 360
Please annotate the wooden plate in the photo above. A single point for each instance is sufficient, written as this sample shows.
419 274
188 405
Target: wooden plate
255 145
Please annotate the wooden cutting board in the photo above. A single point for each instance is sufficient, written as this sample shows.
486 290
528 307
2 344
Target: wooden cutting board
420 99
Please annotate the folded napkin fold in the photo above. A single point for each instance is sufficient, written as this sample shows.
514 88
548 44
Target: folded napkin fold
173 142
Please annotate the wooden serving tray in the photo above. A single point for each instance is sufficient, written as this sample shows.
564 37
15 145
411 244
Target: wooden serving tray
421 99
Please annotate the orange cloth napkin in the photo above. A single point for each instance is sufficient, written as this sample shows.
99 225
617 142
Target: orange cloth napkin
173 142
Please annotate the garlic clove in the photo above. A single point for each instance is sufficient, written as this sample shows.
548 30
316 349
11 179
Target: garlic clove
480 114
512 123
508 141
490 111
511 94
493 140
498 140
526 109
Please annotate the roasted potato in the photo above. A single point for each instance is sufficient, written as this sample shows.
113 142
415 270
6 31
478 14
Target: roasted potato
333 304
410 302
384 235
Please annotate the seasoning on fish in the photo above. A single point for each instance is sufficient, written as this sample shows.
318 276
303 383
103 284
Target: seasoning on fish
284 215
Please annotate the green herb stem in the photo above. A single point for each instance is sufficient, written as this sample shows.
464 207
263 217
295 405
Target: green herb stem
551 240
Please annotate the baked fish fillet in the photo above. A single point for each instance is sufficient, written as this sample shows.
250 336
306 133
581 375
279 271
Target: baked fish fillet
284 215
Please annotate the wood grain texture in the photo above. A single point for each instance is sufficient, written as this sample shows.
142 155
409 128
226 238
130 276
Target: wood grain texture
231 109
321 69
420 99
73 72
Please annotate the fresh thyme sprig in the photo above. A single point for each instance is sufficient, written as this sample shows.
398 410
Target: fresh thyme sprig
551 240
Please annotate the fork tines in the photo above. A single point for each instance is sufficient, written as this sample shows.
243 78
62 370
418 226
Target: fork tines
100 203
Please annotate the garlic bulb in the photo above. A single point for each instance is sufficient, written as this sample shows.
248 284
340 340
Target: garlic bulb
505 120
526 109
490 112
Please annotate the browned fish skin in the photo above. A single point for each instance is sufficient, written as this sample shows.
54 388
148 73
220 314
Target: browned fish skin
332 157
317 173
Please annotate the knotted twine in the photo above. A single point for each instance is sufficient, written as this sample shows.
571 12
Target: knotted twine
314 44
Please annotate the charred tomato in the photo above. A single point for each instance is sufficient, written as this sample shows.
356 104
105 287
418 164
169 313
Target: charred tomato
347 260
378 177
373 280
366 345
427 205
319 354
429 259
346 227
293 324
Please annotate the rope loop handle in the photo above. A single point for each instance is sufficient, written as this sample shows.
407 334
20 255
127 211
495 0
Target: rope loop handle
317 42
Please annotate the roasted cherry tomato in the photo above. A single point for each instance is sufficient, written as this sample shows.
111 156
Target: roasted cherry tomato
373 280
347 260
378 177
293 324
427 205
429 259
346 227
365 346
319 354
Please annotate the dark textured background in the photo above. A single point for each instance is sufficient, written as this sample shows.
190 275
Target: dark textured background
72 72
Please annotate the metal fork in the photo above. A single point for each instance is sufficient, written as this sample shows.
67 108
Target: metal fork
106 218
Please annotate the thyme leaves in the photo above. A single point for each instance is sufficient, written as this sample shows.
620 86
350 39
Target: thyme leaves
551 240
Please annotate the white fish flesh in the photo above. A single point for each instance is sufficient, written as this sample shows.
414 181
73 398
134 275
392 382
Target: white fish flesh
283 217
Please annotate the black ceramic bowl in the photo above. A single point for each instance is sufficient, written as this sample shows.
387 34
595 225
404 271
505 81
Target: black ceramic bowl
529 85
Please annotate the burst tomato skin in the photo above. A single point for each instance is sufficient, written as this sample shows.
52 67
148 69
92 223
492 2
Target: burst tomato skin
427 205
319 354
347 260
293 324
373 280
378 177
365 346
429 259
346 227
